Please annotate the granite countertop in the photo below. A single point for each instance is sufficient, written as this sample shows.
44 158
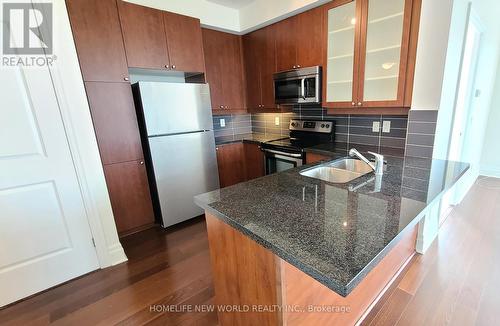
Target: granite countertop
336 233
255 138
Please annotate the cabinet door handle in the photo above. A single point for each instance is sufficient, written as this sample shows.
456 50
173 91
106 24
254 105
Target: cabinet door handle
360 103
167 67
294 67
141 162
353 103
226 107
173 66
298 66
126 79
222 106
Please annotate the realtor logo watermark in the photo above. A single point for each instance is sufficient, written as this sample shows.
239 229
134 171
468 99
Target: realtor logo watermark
27 34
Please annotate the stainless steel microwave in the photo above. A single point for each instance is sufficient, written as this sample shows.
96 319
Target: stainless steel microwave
298 86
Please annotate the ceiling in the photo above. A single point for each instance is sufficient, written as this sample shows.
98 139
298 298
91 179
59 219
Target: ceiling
235 4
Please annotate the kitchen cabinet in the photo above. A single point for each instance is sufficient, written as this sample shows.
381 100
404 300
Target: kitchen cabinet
368 45
184 42
254 160
231 162
299 41
260 65
98 38
129 194
224 70
156 39
314 158
115 121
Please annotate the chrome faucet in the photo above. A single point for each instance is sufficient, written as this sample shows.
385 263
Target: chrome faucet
379 160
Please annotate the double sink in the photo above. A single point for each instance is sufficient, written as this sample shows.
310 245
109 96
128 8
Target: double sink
342 170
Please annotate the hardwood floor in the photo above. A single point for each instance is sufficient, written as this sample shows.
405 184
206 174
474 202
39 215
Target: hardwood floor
455 283
164 268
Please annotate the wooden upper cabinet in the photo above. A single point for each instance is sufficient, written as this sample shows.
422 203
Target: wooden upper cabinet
98 37
268 66
184 42
299 41
115 121
224 70
310 38
368 45
251 55
286 44
260 66
156 39
144 36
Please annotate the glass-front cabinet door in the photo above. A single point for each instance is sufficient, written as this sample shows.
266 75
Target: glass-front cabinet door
342 52
367 53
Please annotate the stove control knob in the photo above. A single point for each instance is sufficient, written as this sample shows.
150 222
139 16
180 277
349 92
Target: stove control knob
328 125
323 125
293 124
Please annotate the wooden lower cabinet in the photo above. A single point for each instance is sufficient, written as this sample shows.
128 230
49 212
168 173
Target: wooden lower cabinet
239 162
245 273
313 158
231 162
129 194
254 159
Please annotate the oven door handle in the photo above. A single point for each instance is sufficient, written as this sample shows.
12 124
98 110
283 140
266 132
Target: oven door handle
282 153
303 88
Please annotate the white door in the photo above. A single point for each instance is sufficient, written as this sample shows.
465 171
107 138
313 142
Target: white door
45 237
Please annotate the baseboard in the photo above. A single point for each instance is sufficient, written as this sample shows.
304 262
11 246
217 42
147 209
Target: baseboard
490 171
117 254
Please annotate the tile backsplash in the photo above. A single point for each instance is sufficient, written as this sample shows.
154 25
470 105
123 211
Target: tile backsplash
236 126
349 129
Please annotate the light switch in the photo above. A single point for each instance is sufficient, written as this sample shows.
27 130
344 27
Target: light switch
222 122
386 127
376 126
277 121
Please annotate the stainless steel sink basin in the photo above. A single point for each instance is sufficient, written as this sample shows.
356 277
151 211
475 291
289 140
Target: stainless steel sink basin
339 171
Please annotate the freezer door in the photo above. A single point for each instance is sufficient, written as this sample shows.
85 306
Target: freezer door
185 165
171 108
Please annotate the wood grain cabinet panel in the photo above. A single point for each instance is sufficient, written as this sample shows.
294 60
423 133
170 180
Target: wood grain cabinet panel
129 194
224 70
254 161
98 38
115 121
310 38
144 36
286 44
231 162
184 42
260 66
251 56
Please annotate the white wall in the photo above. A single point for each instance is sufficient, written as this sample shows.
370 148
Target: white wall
490 161
261 13
431 54
257 14
210 14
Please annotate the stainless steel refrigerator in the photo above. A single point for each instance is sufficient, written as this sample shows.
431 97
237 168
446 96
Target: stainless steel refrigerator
178 139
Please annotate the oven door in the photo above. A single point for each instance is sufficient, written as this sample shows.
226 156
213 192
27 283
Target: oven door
277 161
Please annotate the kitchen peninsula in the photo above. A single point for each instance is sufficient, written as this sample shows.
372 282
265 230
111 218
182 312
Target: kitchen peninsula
297 250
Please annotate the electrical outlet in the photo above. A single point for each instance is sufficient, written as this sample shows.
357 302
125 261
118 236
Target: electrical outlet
276 121
376 126
386 127
222 122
